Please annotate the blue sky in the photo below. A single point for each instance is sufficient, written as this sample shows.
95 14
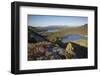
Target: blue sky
47 20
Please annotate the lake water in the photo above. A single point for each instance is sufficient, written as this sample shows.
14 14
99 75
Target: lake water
53 30
73 37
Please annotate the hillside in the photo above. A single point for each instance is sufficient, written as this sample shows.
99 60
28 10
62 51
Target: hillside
44 45
62 31
82 30
81 42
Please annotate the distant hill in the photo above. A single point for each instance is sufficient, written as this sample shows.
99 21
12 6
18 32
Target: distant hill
63 28
62 31
81 30
36 29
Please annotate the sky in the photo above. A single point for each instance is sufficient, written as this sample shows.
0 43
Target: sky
47 20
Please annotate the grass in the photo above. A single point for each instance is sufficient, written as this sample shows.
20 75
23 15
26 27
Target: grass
82 42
